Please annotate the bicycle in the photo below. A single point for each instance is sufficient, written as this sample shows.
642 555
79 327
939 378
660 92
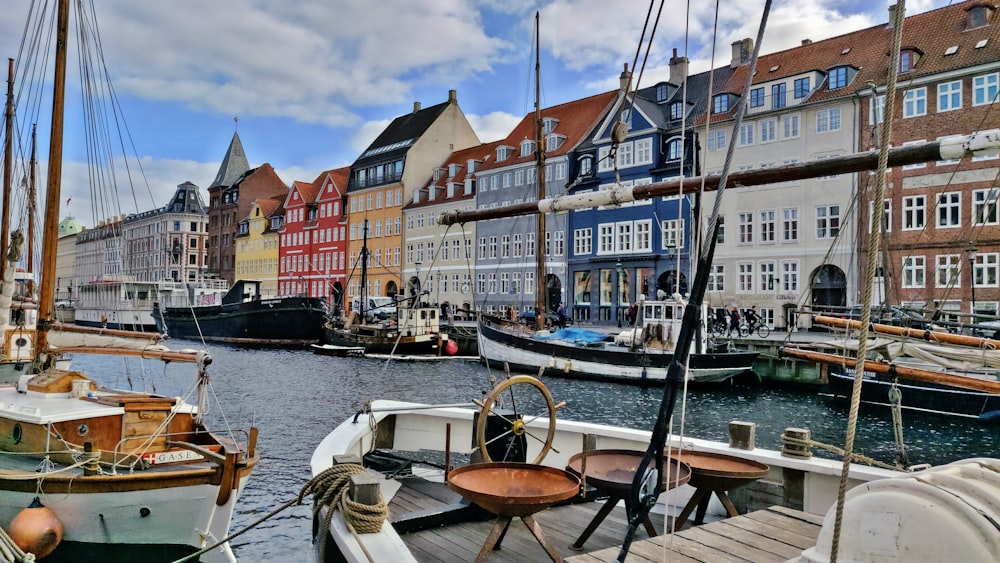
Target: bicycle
761 329
717 327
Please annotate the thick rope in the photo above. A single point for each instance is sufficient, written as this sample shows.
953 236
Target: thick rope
10 552
859 458
873 246
330 488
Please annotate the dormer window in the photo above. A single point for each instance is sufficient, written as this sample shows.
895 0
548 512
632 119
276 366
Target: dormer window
586 165
674 149
837 78
438 174
470 165
662 92
676 110
527 147
549 124
553 142
720 103
503 153
908 59
979 15
453 170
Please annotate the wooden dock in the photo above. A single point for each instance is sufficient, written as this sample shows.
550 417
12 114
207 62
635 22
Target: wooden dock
775 534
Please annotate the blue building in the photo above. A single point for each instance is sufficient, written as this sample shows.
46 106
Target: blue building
619 253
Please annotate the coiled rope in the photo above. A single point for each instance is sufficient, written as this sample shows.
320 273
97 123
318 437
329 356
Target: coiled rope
329 488
10 552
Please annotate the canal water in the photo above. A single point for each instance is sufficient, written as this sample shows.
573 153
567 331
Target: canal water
296 398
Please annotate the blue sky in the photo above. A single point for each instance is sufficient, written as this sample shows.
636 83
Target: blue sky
314 82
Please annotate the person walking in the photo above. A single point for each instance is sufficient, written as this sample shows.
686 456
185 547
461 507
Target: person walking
734 321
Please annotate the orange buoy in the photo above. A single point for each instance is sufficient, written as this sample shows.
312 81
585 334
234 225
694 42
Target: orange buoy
36 530
451 347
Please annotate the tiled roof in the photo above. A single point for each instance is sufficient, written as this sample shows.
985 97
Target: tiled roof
307 190
400 135
481 154
868 51
576 119
340 177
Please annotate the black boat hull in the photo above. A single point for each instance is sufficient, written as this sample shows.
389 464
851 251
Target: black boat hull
282 321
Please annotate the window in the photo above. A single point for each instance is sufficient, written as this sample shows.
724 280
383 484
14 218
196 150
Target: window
625 155
949 209
586 165
765 277
662 92
913 271
949 96
767 225
720 103
789 224
946 270
801 87
789 276
549 124
757 97
643 236
644 151
984 88
746 228
605 239
746 133
979 15
913 212
717 140
672 233
720 236
907 60
744 277
527 147
623 233
827 221
717 278
827 120
582 241
505 246
676 111
560 242
778 96
518 245
886 215
915 102
674 149
790 126
768 130
876 110
985 270
837 78
503 153
604 163
984 206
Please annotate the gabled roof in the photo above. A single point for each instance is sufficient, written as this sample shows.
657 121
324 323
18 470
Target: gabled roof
400 135
307 191
868 51
234 164
481 154
340 177
576 119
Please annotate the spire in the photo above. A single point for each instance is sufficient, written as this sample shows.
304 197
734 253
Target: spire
234 164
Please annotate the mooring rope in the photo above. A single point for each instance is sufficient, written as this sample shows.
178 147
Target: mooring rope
10 552
329 488
855 457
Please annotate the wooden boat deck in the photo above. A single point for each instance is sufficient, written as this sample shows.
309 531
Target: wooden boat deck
774 534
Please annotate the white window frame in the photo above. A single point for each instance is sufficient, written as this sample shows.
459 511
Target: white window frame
914 212
947 270
914 272
984 88
984 206
949 210
915 102
949 96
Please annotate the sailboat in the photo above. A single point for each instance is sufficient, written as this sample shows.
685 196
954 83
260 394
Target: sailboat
383 325
640 354
91 473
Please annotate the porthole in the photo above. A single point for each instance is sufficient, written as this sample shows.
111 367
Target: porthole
17 433
21 342
82 430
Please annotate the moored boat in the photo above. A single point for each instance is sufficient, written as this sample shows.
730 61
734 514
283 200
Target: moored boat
89 473
245 317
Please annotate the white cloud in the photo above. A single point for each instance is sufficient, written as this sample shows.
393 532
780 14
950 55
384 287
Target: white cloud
493 126
367 133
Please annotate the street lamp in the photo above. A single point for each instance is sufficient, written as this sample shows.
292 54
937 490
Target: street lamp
618 293
971 253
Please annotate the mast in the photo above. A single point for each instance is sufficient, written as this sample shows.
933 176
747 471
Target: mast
53 192
540 282
364 269
32 209
7 156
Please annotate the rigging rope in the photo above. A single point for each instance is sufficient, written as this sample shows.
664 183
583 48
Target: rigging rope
10 552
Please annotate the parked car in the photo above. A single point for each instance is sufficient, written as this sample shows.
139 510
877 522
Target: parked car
552 318
63 304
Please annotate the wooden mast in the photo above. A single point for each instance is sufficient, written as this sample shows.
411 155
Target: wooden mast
8 150
929 376
540 282
32 210
53 192
917 333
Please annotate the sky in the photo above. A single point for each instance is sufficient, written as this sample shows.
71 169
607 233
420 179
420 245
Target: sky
313 83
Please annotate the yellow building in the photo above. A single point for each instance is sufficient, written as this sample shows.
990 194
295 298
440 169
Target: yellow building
257 246
399 161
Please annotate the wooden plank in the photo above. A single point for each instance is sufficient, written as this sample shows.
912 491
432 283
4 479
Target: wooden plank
806 529
798 514
775 532
730 546
741 535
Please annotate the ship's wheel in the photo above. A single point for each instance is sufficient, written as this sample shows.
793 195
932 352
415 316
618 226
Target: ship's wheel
517 401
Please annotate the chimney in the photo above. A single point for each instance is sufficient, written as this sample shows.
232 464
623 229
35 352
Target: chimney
452 97
807 42
892 16
625 79
678 68
742 50
416 107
